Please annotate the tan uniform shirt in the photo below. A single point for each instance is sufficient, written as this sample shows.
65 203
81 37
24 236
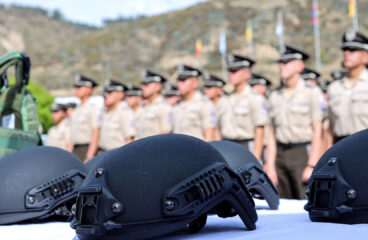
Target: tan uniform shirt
116 127
293 111
59 135
220 109
191 117
84 120
153 119
246 111
348 105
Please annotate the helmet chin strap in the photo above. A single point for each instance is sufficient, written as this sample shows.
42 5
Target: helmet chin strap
197 224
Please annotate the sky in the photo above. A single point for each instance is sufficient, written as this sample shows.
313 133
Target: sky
94 11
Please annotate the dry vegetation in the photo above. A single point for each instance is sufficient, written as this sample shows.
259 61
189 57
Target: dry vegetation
122 48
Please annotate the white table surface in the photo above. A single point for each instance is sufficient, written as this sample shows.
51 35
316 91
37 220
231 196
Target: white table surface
290 221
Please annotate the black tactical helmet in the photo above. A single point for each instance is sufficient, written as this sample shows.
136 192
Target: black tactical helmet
250 170
39 184
337 190
157 185
93 162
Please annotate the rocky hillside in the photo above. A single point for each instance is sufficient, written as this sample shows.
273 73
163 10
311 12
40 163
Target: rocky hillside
122 49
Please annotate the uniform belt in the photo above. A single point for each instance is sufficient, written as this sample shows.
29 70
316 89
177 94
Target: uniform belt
291 145
81 145
239 140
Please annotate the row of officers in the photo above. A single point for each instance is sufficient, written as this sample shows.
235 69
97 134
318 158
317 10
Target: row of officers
287 128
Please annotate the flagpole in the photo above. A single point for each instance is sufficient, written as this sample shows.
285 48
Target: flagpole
355 19
222 50
280 30
317 46
353 13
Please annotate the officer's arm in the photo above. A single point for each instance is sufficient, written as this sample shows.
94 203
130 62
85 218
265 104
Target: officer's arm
270 164
315 150
217 134
92 148
209 134
329 137
70 146
258 141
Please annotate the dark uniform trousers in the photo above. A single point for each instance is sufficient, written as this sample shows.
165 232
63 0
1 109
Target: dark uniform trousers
81 150
245 143
291 159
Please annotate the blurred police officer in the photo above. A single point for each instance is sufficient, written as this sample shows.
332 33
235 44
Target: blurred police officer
261 85
296 123
171 94
213 89
195 115
117 126
155 115
337 75
348 97
59 135
311 76
133 98
85 129
70 109
245 118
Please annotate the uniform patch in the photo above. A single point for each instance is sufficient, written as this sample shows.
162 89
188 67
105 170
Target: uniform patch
322 103
213 116
170 118
264 109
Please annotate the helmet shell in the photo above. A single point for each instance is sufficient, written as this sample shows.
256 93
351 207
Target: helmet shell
153 182
243 162
337 189
25 173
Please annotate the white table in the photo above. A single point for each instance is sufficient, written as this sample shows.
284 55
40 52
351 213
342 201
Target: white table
290 221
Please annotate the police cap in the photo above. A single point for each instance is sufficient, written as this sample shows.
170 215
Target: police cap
84 81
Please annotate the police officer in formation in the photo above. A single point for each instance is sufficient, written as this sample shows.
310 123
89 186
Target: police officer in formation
117 126
261 84
348 97
296 124
195 115
85 124
246 114
171 94
59 135
155 115
213 89
292 113
133 98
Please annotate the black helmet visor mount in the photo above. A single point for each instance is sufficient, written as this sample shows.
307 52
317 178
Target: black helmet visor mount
329 195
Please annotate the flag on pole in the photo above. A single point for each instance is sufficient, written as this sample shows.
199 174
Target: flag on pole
314 14
198 48
249 33
222 44
279 30
317 45
279 26
351 8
